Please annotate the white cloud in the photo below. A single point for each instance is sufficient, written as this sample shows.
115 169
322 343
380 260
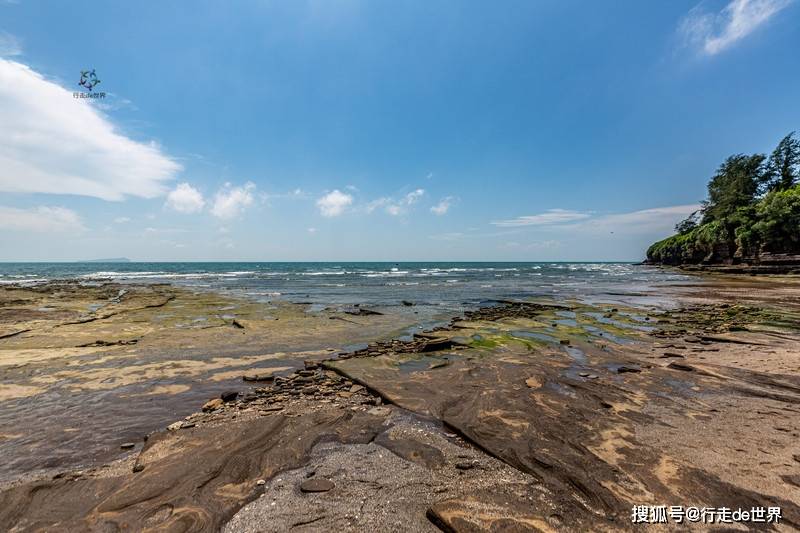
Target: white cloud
548 218
230 202
295 194
413 197
394 210
54 143
454 236
185 199
375 204
714 32
659 219
9 45
334 203
312 230
396 207
121 220
535 245
443 206
164 231
40 219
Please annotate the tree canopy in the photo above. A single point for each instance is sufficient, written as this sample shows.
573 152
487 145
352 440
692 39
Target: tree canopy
783 167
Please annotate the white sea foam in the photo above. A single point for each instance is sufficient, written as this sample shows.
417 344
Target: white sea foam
22 280
163 275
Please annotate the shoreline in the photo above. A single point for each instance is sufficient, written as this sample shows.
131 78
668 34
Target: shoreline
601 378
774 264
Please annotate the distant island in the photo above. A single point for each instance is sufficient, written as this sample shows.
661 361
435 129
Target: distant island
750 221
110 260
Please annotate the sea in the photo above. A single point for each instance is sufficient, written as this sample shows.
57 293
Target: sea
448 286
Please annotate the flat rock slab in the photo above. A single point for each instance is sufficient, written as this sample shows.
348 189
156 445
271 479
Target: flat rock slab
191 481
316 485
577 436
411 449
380 490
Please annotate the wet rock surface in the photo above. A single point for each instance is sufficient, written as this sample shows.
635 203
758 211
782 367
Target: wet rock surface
490 423
87 366
384 489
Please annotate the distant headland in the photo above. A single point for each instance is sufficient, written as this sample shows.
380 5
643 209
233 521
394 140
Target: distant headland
109 260
750 222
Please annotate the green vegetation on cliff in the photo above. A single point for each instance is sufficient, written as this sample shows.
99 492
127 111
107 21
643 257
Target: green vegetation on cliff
753 209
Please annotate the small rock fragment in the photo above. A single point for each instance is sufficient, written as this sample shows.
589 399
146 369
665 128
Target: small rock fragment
229 395
379 411
211 405
258 377
680 366
533 382
127 446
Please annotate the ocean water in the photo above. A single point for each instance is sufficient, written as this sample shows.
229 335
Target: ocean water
448 286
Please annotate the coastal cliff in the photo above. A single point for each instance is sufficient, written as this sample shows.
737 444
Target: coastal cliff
750 221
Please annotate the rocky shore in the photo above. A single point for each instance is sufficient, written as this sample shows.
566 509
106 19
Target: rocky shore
766 263
520 416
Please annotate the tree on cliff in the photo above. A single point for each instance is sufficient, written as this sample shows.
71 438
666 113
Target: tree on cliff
783 167
753 207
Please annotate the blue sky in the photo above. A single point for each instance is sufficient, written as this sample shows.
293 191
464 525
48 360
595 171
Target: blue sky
376 130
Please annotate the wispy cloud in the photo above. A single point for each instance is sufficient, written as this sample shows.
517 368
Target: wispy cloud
453 236
42 219
396 207
657 219
713 32
9 45
548 218
62 145
443 206
334 203
294 194
535 245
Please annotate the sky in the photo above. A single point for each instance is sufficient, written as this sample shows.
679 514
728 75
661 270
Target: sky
430 130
